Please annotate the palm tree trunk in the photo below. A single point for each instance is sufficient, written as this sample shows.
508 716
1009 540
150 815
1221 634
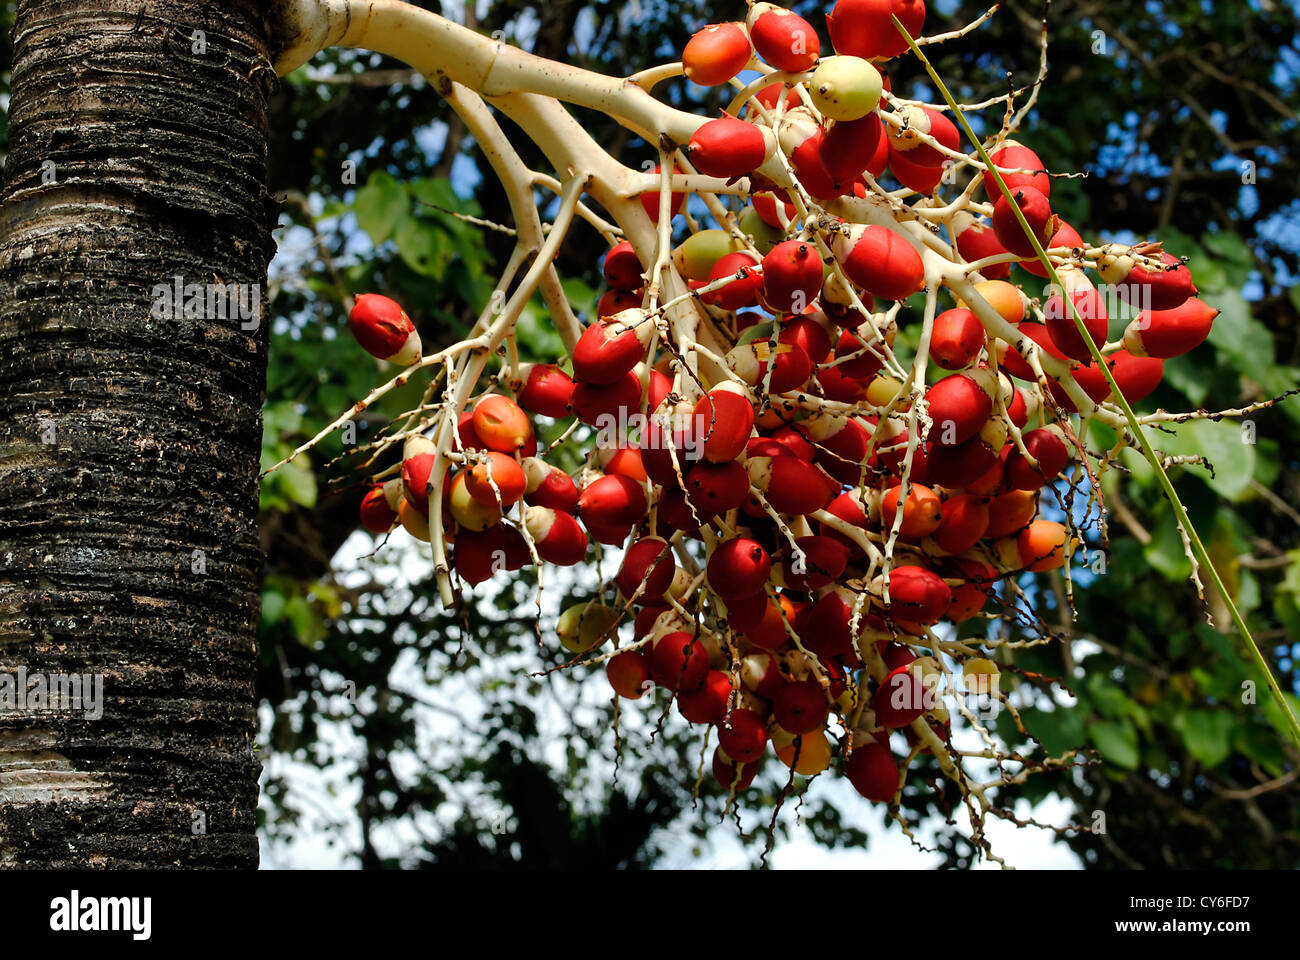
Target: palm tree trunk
129 439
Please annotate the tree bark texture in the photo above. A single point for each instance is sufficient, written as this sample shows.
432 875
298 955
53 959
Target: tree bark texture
129 442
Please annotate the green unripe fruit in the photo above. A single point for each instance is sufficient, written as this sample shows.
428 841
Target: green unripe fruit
698 253
582 626
765 235
845 88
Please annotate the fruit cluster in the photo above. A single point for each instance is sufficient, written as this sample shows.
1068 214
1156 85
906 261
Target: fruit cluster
798 508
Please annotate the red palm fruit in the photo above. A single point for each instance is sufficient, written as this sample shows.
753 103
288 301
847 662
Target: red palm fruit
623 270
914 176
469 438
792 486
384 330
900 698
668 442
629 674
616 301
1015 157
790 370
376 515
708 704
660 386
1018 409
649 561
650 203
917 595
1011 359
792 276
611 347
612 501
724 419
850 147
990 481
675 512
872 770
623 460
727 147
824 627
765 206
475 557
1038 214
744 614
647 618
725 771
544 388
618 400
866 364
1047 445
881 261
842 444
1065 236
1135 376
836 385
810 330
806 159
906 143
891 454
415 479
501 425
823 562
610 534
894 654
501 470
714 488
741 291
770 95
800 708
969 598
976 240
956 339
716 54
960 405
783 38
679 661
549 486
557 536
1159 288
922 510
1060 320
738 567
847 507
742 735
769 632
964 518
863 28
788 439
1042 545
761 674
1011 512
1170 333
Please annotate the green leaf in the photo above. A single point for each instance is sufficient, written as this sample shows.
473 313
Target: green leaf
1165 551
380 206
273 606
298 482
1057 730
421 245
1116 741
1207 734
1229 246
1238 335
1223 444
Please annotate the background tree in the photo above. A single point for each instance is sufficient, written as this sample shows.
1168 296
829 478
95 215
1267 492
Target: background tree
128 438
